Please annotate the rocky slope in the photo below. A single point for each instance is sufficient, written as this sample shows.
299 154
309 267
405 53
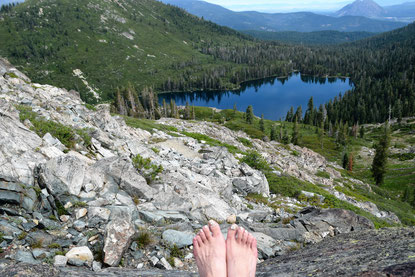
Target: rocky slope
112 195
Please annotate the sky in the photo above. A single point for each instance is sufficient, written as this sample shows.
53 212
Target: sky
292 5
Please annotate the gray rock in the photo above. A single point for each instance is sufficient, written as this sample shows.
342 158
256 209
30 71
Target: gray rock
118 237
28 226
138 255
63 175
180 239
96 266
8 229
154 260
59 260
266 245
78 256
151 217
25 257
9 197
164 264
79 225
40 253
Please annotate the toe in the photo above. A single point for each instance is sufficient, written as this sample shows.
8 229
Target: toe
239 234
254 246
195 246
214 228
207 232
232 232
199 241
244 237
202 235
249 240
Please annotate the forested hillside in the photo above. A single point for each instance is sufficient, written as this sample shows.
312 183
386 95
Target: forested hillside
103 46
311 38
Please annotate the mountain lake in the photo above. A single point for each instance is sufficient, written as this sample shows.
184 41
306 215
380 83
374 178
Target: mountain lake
272 97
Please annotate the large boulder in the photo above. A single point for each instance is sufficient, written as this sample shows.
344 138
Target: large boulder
319 224
180 239
118 173
118 237
63 175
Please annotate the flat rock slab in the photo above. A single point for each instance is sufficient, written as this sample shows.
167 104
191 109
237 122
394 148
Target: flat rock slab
383 252
23 270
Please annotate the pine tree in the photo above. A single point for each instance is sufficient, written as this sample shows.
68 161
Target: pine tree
309 114
362 131
285 137
381 156
290 115
234 109
296 134
350 164
299 114
273 135
164 108
249 115
345 160
262 123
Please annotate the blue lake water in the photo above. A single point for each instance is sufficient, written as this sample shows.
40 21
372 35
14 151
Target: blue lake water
272 97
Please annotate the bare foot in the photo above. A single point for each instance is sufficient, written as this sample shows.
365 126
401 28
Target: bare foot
209 249
241 253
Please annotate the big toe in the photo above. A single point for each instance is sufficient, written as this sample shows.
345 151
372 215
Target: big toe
215 228
232 232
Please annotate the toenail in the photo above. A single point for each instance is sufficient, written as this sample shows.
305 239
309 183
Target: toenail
205 227
212 222
234 227
242 228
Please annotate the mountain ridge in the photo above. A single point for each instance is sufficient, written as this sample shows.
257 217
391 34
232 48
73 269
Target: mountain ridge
367 8
298 21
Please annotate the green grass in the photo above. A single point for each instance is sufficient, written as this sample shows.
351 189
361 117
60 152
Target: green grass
144 239
66 135
323 174
148 125
212 142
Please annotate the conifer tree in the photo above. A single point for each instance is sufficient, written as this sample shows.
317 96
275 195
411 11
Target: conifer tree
234 109
362 131
309 114
381 156
164 108
285 137
273 135
262 123
299 114
249 115
345 160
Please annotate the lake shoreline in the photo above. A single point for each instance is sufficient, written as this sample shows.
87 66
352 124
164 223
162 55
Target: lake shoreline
253 80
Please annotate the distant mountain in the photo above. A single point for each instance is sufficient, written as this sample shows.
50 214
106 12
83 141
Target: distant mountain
367 8
299 21
403 10
311 38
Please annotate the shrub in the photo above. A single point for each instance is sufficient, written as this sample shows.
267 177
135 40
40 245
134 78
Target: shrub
22 236
323 174
146 168
245 142
144 239
54 246
255 160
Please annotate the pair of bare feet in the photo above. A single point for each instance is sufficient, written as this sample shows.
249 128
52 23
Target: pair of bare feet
215 257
